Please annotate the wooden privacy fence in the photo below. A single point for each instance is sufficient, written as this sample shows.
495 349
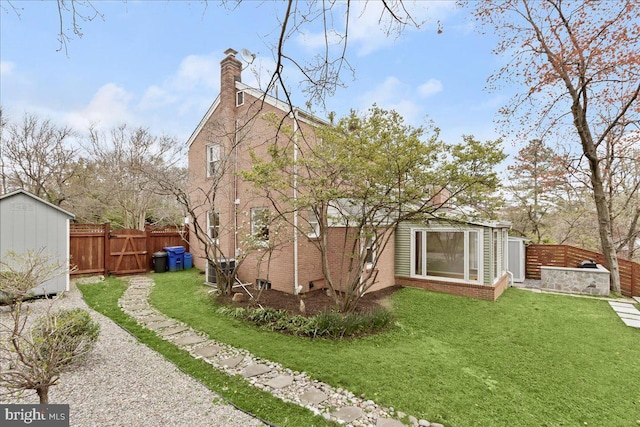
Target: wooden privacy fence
570 256
97 249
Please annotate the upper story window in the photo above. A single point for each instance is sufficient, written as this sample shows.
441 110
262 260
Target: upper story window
260 219
239 98
213 159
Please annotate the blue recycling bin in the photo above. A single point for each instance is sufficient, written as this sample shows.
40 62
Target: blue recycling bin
175 256
188 261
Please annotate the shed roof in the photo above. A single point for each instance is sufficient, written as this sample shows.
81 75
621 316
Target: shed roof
36 198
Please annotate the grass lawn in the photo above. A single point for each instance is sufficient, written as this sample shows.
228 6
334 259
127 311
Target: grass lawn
104 299
526 360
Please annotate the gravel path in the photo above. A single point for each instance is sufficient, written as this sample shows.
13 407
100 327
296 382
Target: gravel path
124 383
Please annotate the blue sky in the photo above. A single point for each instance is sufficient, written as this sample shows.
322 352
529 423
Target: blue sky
156 64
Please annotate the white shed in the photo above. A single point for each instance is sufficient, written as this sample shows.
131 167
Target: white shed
30 223
517 257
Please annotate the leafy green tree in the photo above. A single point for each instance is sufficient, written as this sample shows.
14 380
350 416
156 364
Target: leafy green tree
534 181
365 175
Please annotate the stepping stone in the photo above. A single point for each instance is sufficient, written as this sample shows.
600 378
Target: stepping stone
154 318
388 422
173 331
615 304
189 340
255 370
629 310
313 396
160 325
146 313
208 351
348 414
637 299
629 316
136 293
632 323
281 381
232 362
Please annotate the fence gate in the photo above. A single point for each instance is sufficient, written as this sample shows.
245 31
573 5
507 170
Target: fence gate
127 252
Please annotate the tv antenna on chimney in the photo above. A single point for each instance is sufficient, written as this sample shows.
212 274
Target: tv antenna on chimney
247 56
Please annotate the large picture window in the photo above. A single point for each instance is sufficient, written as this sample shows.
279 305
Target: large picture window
446 254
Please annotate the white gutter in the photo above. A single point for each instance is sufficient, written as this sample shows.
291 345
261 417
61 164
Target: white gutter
235 190
296 287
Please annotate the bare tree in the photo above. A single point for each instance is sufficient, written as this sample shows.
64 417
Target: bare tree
221 235
71 14
3 177
33 354
128 162
578 65
38 157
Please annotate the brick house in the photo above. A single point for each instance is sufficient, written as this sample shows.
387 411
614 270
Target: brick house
455 257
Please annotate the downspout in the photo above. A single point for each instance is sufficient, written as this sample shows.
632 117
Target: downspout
236 202
296 287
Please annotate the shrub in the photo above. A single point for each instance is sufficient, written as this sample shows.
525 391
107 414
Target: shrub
328 324
65 337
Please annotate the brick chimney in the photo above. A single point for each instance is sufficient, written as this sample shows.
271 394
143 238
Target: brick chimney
230 70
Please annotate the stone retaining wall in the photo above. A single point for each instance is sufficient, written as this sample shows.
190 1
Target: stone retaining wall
592 281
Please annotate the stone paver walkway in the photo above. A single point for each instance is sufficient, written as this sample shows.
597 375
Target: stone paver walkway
291 386
627 312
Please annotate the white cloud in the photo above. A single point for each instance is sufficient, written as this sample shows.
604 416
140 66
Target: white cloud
6 68
392 94
431 87
156 97
315 41
110 106
371 33
198 71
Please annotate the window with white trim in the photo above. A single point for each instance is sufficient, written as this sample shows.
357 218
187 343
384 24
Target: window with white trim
213 225
314 225
260 219
371 251
239 98
213 159
446 254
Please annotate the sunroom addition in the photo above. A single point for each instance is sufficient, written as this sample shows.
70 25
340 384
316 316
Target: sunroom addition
447 254
464 258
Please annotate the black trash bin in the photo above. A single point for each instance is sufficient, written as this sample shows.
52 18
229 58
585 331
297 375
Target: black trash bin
160 262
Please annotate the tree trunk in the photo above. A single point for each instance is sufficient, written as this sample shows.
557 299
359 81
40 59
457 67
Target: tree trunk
43 394
606 239
599 197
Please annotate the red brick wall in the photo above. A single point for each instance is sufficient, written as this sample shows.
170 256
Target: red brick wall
484 292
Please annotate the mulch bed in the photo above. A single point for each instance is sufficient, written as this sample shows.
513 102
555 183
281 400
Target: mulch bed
314 301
